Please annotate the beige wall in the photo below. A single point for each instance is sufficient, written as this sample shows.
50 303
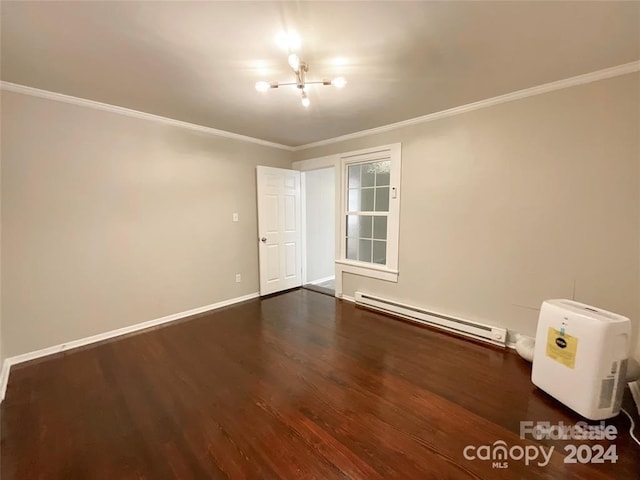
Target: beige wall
110 220
506 206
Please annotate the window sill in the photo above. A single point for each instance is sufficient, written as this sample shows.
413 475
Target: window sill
367 270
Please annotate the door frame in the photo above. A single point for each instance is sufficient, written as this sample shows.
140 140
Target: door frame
311 164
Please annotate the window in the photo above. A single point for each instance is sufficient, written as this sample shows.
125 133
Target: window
370 211
367 211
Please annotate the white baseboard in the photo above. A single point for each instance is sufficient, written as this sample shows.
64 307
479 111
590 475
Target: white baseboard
321 280
347 298
4 377
25 357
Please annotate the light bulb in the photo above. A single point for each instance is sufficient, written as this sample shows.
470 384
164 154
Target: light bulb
294 62
305 100
338 82
262 86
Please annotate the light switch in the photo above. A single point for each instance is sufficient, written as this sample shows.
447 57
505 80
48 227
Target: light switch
235 217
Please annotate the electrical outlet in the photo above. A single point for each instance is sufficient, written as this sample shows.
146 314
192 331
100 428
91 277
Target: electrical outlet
235 217
238 278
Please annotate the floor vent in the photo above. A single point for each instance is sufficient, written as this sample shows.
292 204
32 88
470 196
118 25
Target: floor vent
467 328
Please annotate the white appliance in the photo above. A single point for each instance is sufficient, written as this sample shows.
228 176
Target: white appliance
580 357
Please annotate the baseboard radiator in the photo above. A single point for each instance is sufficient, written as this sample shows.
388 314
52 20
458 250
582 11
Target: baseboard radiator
467 328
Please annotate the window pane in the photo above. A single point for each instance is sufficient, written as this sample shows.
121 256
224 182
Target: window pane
352 225
379 252
364 255
369 174
352 248
366 204
360 226
354 200
383 172
354 176
380 228
382 199
366 226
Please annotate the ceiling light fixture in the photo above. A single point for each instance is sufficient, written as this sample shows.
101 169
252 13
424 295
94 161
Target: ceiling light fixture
300 69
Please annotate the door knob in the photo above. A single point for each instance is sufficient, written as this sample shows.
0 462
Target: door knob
263 239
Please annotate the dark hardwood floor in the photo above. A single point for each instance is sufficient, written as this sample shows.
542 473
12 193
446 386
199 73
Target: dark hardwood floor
320 289
295 386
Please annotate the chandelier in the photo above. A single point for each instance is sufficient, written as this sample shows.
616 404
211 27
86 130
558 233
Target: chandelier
300 70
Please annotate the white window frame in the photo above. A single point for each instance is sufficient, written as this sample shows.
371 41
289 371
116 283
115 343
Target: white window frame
388 272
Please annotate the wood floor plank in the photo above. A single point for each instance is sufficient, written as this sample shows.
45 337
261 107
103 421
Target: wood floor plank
293 386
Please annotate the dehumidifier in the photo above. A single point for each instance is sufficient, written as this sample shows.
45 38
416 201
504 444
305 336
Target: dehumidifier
580 357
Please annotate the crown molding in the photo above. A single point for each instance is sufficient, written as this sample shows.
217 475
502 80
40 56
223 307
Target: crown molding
509 97
59 97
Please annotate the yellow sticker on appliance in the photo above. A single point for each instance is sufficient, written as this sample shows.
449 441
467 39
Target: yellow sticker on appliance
562 348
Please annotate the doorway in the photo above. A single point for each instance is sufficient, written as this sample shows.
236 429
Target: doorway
318 199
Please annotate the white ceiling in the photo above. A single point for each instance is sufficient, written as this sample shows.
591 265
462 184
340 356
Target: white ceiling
198 61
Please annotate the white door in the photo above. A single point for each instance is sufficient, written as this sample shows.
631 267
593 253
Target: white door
279 229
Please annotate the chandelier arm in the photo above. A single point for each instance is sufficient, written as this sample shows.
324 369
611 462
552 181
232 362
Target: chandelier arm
315 82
